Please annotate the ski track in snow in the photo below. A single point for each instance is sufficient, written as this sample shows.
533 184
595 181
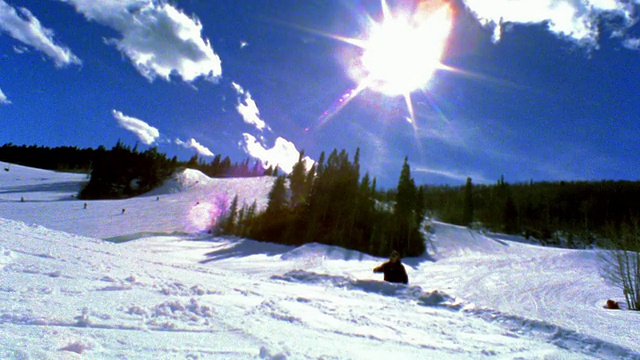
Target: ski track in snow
167 293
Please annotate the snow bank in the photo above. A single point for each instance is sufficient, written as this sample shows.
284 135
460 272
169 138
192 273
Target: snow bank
180 181
326 252
415 293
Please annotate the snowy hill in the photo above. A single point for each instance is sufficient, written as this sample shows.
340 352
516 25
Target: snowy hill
176 293
186 203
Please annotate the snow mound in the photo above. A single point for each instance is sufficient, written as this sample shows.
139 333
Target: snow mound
181 181
415 293
175 314
325 252
459 241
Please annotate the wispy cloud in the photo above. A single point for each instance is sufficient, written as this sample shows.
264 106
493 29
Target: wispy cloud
145 132
283 154
159 39
3 99
451 174
248 108
193 144
23 26
577 20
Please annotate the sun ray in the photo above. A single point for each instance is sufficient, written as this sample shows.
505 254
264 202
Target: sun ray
386 11
345 99
412 116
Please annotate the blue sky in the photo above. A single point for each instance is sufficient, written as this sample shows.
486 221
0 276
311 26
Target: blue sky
533 90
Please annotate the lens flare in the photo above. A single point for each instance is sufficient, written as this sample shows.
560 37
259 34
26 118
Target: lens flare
203 215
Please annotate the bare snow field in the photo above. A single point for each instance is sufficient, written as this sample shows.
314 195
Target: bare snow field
163 288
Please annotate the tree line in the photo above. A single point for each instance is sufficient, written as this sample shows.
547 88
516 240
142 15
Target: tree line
61 158
223 167
569 214
124 172
331 204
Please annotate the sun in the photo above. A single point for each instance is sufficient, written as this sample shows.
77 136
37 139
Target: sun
398 54
403 51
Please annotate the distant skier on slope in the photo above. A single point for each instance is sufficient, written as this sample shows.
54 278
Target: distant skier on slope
393 269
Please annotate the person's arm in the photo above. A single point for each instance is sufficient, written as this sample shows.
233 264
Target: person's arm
379 269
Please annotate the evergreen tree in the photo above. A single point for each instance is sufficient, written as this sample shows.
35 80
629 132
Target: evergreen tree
467 217
229 221
421 208
297 179
406 238
277 197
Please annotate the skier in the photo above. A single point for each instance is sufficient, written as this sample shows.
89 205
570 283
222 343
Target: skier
393 269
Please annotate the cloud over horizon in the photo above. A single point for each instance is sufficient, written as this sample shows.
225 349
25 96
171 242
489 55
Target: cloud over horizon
145 132
159 39
23 26
3 99
193 144
576 20
283 154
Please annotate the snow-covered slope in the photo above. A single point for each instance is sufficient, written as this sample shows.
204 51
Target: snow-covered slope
190 296
186 203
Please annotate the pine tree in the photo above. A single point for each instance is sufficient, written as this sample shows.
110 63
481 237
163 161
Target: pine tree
467 217
277 197
405 198
406 238
228 224
421 207
297 179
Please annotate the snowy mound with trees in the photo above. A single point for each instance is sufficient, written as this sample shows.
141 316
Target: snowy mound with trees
173 292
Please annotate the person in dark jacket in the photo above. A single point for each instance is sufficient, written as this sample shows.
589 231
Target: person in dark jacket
393 269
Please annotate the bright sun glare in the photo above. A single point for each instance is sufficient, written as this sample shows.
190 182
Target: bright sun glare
400 53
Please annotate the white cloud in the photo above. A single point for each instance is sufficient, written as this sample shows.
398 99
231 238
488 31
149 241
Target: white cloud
23 26
3 99
145 132
249 109
193 144
283 154
159 39
572 19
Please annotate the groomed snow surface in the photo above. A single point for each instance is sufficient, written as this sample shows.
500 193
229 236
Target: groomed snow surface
162 288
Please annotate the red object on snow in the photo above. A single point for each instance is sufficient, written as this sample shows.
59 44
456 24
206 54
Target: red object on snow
611 304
